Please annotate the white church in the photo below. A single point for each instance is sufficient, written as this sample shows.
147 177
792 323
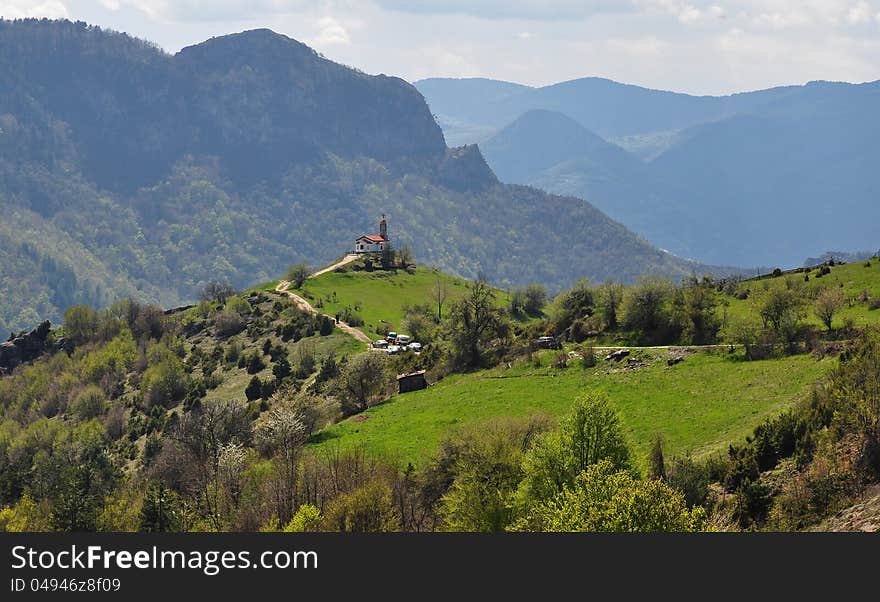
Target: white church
373 243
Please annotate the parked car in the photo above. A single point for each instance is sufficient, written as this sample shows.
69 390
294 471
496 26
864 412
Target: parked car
393 349
415 347
403 339
391 337
380 344
548 343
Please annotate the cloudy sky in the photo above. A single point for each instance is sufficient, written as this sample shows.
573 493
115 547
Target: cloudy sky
711 47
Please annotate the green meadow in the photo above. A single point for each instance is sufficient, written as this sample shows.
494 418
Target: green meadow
698 406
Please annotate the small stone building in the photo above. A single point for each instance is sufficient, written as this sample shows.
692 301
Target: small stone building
411 381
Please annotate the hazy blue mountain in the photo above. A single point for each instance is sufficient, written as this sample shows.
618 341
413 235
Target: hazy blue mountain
128 171
608 108
554 152
459 105
756 179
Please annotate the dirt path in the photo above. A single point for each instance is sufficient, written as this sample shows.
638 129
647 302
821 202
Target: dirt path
347 259
304 305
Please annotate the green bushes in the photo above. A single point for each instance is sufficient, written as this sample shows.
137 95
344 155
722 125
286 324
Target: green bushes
165 381
89 403
603 498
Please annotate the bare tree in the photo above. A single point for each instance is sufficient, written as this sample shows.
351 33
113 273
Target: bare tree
439 293
281 433
827 304
216 292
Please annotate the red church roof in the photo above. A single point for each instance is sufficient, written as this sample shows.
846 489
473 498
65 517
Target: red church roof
372 238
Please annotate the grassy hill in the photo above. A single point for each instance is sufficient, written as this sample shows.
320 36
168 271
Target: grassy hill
698 406
381 297
859 282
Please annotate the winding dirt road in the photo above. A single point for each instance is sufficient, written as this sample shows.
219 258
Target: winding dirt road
284 288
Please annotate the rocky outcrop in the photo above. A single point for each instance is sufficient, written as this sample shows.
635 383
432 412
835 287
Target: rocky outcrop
26 347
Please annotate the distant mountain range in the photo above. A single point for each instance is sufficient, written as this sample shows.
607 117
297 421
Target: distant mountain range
758 178
125 170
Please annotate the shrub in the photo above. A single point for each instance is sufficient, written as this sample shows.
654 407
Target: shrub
89 403
229 324
216 292
589 357
297 275
164 383
253 362
603 498
560 361
307 519
254 390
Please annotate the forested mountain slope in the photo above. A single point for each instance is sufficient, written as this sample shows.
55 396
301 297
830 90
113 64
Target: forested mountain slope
128 171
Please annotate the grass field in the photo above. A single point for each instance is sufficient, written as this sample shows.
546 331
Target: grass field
855 279
379 295
698 406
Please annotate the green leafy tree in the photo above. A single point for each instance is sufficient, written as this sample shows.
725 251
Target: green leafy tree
645 308
80 324
161 512
297 275
603 498
364 377
475 321
367 509
827 305
306 520
590 432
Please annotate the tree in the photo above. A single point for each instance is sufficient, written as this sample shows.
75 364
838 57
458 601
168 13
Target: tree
307 519
657 468
485 466
80 324
203 434
216 292
89 403
280 434
644 307
297 275
610 296
367 509
405 255
77 504
439 293
591 432
388 256
781 309
165 382
161 511
694 313
828 303
254 390
363 377
603 498
535 296
475 321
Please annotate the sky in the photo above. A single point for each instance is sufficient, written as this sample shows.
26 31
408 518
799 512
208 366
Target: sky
694 46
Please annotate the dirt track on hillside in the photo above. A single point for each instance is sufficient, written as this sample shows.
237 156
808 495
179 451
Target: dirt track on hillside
283 288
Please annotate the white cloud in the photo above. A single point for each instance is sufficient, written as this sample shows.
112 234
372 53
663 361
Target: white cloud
538 10
859 14
330 32
18 9
525 35
690 14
